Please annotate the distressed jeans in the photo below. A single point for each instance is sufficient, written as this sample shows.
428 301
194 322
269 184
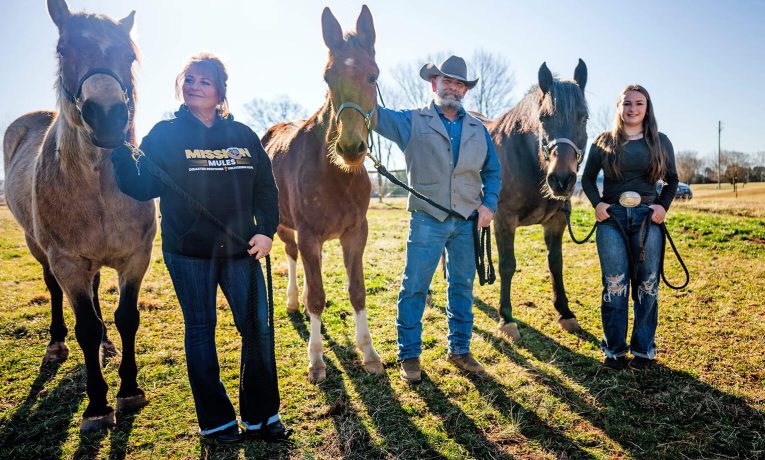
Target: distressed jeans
615 270
427 238
196 284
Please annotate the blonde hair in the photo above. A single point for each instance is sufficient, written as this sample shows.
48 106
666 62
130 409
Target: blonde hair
612 141
219 73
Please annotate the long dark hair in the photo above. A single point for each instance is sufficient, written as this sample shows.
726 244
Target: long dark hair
612 141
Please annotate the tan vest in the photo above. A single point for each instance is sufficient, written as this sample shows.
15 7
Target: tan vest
429 166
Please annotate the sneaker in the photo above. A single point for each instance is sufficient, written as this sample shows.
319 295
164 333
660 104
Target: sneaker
410 370
466 362
639 363
227 436
616 364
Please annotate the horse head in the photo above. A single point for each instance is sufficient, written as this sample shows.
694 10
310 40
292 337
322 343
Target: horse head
351 75
96 56
562 129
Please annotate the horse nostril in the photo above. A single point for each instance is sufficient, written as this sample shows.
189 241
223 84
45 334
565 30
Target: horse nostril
362 147
89 112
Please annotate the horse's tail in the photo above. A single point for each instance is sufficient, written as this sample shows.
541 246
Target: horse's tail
18 131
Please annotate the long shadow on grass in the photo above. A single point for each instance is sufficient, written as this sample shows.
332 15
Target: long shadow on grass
662 413
403 438
39 426
353 438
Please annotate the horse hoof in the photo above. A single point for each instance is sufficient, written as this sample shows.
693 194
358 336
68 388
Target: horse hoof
374 367
317 375
131 403
109 349
509 331
56 352
569 325
97 422
293 307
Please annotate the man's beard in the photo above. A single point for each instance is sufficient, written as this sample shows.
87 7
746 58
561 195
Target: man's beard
448 100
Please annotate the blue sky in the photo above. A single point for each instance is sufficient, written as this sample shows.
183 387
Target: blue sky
701 60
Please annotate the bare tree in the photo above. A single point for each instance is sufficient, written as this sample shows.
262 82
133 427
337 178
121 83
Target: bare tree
413 91
602 120
492 95
687 163
263 113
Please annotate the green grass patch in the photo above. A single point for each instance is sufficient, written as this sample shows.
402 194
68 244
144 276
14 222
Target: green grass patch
546 396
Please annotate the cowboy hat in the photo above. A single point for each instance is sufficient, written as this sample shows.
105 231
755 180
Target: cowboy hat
453 67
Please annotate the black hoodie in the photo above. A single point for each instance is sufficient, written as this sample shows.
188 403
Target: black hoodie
224 167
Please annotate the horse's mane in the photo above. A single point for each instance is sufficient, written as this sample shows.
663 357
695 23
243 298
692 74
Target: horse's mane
524 117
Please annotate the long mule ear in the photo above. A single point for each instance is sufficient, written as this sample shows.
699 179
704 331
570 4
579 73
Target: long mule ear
545 78
127 22
580 74
365 29
331 30
59 12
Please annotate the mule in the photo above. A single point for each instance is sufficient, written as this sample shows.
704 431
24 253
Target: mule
539 144
61 189
324 189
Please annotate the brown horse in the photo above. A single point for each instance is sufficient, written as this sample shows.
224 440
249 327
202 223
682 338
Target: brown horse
539 144
60 188
324 189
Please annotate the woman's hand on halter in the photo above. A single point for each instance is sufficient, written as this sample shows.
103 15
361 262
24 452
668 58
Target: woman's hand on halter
659 213
261 246
601 211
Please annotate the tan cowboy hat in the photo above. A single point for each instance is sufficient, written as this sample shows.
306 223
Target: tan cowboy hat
453 67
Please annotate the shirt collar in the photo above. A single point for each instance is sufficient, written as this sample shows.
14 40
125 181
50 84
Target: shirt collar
460 112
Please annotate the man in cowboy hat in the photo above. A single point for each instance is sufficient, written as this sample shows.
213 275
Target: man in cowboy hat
450 158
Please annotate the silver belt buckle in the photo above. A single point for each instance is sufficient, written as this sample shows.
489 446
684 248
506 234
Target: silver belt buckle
629 199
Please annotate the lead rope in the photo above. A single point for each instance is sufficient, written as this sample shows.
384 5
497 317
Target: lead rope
481 238
249 332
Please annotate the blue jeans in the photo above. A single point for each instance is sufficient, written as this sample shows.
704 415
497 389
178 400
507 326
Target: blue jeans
196 284
615 270
427 239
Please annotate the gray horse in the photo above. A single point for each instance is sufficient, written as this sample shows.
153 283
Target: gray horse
60 187
539 143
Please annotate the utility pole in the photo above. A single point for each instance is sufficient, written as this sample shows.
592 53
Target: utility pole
719 131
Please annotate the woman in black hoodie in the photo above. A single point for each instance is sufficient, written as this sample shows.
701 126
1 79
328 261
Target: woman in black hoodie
222 165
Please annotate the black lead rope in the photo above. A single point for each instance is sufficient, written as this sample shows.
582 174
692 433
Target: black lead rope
567 212
665 236
249 332
481 238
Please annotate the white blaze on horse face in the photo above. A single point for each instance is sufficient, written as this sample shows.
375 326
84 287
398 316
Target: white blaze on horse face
350 62
103 90
292 287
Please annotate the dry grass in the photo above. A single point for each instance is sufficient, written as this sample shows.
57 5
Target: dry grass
546 396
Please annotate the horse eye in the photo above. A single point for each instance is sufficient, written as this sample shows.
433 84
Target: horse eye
372 79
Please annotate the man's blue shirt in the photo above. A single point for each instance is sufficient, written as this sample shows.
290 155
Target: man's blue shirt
396 125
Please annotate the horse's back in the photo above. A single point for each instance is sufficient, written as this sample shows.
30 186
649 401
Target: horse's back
278 138
21 145
28 130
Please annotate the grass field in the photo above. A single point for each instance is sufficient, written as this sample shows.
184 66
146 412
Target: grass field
547 396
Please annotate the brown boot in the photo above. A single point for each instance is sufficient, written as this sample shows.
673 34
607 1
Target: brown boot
467 363
410 370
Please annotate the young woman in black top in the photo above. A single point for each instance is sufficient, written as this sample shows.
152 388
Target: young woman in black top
634 156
